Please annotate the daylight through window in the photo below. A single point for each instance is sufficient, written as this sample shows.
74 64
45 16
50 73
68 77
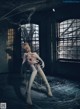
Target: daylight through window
68 39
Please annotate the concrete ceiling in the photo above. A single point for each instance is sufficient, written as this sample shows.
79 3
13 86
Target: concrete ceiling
10 8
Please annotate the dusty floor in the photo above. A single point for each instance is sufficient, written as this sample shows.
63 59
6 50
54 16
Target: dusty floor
66 95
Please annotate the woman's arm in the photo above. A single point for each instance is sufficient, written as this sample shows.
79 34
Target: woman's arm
38 57
24 58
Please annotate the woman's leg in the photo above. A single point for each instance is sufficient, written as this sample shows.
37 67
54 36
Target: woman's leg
33 75
45 80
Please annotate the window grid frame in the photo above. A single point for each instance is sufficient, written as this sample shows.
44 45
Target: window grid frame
10 39
34 40
73 38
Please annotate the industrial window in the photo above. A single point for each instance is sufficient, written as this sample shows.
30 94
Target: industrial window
68 40
30 34
10 36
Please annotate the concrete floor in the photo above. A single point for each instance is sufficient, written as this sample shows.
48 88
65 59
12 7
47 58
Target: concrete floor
66 95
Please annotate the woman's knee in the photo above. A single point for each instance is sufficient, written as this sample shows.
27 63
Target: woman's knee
35 71
40 69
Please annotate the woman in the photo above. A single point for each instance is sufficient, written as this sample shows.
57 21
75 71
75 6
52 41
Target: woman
34 60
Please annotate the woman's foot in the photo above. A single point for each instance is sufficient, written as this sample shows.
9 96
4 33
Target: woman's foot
29 101
50 93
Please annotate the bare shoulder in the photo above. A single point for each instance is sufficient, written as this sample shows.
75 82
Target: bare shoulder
35 53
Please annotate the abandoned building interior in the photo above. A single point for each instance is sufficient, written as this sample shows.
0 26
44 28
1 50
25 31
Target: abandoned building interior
52 29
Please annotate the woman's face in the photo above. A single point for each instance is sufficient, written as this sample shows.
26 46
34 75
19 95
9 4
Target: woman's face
26 48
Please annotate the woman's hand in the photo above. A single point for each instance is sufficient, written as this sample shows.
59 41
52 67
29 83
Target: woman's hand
33 61
43 65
